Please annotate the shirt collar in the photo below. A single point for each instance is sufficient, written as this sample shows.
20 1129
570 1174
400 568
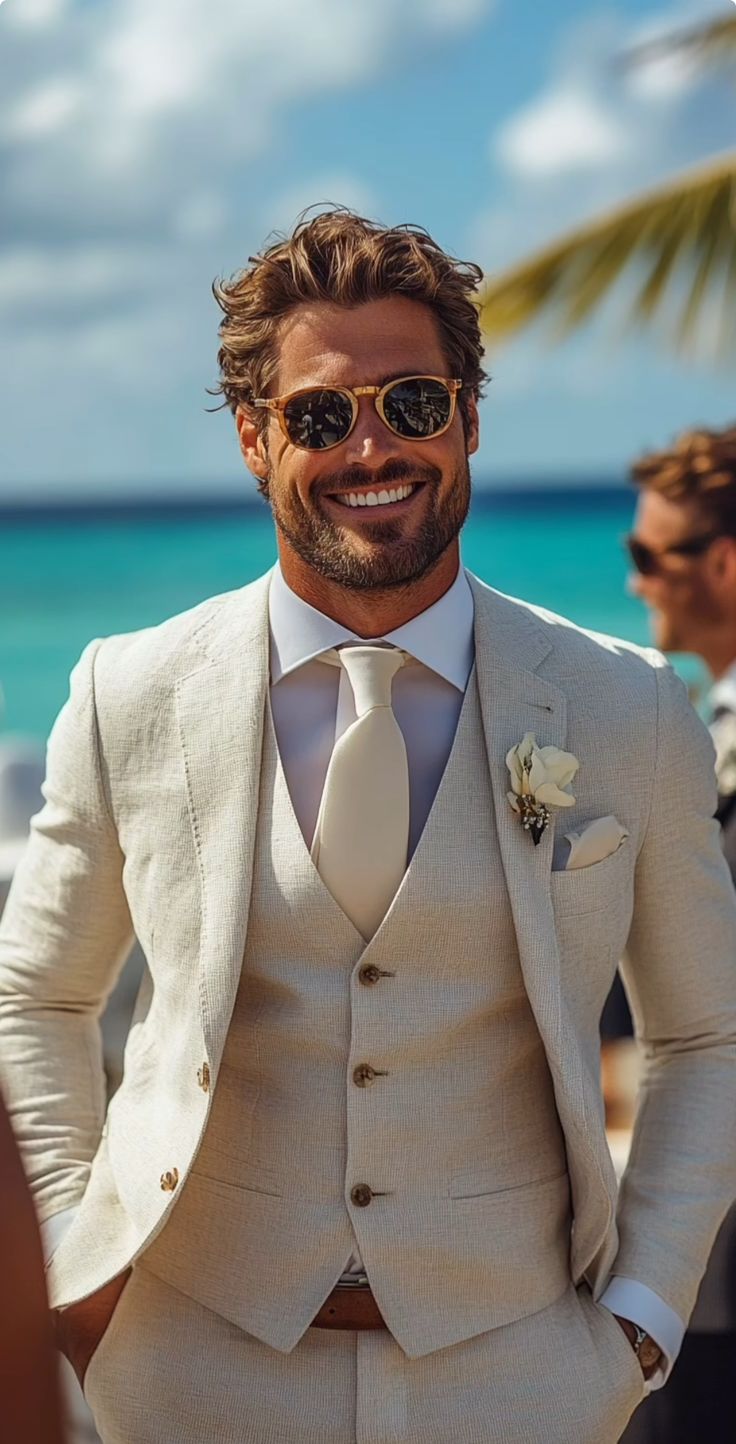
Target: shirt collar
723 693
441 637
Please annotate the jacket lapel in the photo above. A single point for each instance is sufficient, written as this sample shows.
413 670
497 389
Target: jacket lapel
509 646
220 706
514 700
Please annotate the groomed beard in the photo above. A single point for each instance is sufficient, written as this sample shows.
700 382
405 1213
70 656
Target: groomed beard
398 560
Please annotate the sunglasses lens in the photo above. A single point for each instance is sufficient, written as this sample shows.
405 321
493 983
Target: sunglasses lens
316 420
417 408
641 556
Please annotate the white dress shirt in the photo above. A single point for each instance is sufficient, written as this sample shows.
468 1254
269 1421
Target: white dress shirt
723 692
312 705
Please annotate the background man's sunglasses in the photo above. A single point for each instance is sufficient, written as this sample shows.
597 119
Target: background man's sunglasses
416 408
647 561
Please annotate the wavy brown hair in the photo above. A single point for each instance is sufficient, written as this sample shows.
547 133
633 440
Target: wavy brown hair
699 467
343 258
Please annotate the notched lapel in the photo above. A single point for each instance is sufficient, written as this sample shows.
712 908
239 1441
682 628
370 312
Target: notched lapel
514 700
509 646
511 705
220 708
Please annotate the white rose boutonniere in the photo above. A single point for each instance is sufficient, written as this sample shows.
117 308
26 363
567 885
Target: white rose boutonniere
539 776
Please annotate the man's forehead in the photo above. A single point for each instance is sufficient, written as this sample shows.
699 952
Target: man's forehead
365 344
671 518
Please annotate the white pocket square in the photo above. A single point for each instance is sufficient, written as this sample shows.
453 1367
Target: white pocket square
595 842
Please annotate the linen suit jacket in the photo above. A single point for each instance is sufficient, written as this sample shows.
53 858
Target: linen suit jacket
715 1308
148 828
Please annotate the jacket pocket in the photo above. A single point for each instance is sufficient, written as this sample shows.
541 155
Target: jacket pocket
583 890
252 1182
477 1183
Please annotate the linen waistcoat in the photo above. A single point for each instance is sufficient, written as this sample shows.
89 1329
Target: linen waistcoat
455 1132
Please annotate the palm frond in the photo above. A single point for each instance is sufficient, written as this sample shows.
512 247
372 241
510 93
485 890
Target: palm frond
711 44
685 229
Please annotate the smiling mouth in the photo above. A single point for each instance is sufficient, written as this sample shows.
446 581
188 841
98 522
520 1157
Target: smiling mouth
393 497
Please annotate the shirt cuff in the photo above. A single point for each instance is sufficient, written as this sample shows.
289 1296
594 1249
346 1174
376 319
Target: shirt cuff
54 1228
632 1300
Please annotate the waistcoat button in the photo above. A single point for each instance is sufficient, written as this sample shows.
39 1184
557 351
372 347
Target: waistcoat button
363 1074
369 974
203 1077
361 1195
169 1180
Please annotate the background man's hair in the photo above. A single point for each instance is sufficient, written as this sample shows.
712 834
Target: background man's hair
341 257
700 467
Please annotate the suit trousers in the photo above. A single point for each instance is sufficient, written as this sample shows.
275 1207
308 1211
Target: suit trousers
169 1371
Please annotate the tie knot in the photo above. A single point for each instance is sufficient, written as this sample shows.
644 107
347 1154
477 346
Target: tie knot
371 671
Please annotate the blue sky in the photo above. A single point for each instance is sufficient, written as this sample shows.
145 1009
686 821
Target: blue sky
147 146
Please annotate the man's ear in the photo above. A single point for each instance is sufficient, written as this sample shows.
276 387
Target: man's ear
723 554
252 443
472 426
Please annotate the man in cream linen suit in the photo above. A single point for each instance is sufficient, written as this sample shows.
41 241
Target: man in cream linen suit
355 1187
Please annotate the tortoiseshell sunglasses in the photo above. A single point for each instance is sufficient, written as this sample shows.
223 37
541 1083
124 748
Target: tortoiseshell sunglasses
316 418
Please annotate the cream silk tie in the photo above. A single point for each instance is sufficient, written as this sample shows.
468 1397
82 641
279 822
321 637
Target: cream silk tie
362 834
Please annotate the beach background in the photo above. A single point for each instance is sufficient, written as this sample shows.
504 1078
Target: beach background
69 576
146 150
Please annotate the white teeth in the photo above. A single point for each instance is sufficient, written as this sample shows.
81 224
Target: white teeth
370 498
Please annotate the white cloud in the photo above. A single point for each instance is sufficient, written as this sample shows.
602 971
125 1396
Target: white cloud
170 89
34 14
43 283
45 110
566 130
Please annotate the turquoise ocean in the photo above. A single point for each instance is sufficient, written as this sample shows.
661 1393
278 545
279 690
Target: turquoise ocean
69 576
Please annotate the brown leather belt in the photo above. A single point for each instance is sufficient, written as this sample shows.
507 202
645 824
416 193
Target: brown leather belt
349 1308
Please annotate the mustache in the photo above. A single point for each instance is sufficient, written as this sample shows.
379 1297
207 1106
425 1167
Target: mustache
392 473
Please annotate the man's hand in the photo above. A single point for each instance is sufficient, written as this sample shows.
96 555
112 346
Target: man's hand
79 1328
649 1355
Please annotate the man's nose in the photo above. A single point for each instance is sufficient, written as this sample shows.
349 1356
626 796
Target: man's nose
635 584
370 439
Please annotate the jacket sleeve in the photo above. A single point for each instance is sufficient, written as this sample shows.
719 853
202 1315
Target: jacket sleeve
680 974
64 936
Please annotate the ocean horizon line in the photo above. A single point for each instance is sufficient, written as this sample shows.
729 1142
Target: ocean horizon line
167 504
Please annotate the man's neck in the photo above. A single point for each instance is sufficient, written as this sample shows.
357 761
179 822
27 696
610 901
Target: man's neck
369 613
719 657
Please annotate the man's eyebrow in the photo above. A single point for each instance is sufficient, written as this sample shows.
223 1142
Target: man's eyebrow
382 381
397 376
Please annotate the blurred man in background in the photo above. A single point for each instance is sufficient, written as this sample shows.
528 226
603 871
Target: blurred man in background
684 551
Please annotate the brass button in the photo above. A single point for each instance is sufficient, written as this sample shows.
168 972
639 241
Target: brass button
361 1195
203 1077
363 1074
368 974
169 1180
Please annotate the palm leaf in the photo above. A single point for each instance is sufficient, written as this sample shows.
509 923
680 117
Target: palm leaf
684 230
708 45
